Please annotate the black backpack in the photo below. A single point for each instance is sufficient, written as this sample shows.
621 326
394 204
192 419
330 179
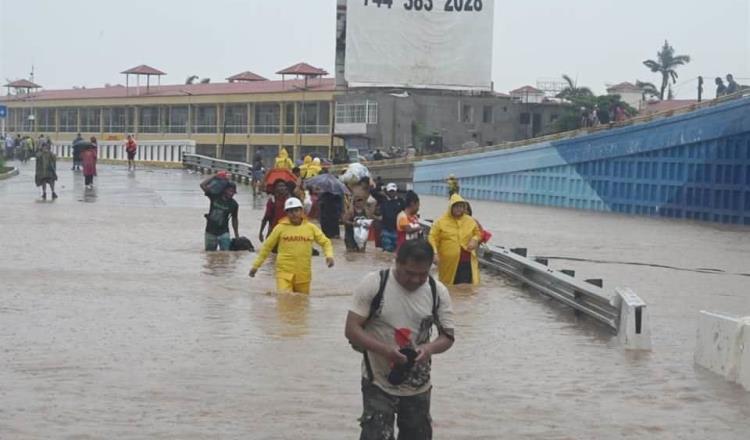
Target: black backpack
377 303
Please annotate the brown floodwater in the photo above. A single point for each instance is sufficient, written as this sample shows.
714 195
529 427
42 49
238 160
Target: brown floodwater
114 323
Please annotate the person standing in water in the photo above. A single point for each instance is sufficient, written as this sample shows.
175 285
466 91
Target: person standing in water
294 237
131 148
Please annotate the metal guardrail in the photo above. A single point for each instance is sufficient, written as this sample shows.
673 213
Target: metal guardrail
239 171
624 312
153 151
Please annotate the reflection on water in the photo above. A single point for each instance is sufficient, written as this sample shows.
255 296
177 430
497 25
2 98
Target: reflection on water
142 334
292 310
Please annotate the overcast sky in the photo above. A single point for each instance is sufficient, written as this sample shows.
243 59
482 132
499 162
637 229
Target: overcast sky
87 42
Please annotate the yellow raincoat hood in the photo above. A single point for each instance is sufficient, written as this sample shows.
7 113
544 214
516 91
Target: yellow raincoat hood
283 160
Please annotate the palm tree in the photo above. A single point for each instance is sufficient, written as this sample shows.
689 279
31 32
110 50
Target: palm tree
647 89
666 63
572 91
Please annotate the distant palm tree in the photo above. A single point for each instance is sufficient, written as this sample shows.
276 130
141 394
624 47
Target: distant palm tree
647 89
572 91
666 63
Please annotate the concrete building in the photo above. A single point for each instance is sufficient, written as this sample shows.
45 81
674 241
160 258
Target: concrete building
433 121
629 93
527 95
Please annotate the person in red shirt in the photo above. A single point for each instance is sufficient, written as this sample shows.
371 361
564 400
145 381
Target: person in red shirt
130 148
407 222
274 208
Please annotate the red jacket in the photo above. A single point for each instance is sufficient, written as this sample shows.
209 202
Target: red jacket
88 157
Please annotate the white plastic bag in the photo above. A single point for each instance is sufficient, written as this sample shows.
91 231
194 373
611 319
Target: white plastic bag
361 231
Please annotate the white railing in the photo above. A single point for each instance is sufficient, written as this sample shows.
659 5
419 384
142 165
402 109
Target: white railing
205 164
150 151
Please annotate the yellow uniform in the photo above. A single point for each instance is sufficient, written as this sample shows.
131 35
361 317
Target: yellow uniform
448 237
314 168
283 161
293 262
303 169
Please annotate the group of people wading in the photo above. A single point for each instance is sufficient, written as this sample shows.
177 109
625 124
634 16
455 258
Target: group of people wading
394 310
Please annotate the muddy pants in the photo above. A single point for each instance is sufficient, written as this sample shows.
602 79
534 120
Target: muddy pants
380 409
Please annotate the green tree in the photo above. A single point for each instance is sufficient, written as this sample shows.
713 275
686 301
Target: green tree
572 92
647 89
666 62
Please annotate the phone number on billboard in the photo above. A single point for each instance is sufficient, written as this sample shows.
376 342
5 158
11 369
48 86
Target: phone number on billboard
429 5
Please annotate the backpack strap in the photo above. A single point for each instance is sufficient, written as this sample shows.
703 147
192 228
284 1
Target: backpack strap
375 304
377 300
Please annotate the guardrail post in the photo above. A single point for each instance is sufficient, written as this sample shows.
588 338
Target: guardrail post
634 328
723 346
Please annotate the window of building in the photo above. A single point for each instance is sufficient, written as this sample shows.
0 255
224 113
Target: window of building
68 120
357 113
204 117
45 119
90 122
487 114
467 114
236 118
177 119
289 117
267 119
314 118
148 120
525 118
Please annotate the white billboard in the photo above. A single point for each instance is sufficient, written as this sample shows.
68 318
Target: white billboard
419 43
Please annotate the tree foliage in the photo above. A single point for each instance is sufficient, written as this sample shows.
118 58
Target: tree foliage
666 64
582 99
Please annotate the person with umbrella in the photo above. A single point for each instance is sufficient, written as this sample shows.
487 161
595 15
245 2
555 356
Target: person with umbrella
88 159
78 145
331 191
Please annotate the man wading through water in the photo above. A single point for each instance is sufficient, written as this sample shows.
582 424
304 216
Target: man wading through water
391 321
223 206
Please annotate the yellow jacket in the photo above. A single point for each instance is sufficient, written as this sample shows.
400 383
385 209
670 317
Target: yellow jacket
283 161
295 248
448 236
303 169
314 168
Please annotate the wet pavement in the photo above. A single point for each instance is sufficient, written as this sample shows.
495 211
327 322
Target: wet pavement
115 324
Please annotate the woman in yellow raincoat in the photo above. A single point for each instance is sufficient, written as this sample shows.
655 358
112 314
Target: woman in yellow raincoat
283 161
314 168
455 237
305 167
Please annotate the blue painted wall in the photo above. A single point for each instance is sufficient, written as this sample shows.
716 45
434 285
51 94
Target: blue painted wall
692 166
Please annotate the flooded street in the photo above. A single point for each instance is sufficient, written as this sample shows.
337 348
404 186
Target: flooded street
114 323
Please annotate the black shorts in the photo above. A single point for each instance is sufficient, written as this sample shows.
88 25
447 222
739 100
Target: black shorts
131 155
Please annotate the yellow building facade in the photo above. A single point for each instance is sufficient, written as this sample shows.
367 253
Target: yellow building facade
232 120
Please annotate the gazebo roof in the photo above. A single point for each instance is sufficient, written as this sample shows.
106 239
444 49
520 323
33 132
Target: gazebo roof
143 70
23 84
246 76
303 69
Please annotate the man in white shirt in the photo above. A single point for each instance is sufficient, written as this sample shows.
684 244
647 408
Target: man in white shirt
391 321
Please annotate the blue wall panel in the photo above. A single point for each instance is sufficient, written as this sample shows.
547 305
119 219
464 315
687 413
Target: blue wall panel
692 166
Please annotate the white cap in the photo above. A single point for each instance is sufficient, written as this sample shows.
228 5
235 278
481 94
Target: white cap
391 187
292 203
